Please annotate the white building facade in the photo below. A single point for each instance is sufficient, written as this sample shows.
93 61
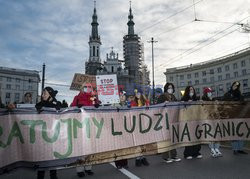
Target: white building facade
218 74
14 83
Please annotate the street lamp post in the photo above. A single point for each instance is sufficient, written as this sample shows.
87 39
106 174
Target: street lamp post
152 41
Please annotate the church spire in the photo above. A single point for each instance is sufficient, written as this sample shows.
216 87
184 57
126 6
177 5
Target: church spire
130 22
94 24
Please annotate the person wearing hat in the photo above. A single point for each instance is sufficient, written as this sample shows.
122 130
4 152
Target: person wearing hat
48 99
168 96
234 94
214 146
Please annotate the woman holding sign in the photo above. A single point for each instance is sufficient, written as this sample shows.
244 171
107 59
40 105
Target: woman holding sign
139 100
193 151
234 94
85 98
168 96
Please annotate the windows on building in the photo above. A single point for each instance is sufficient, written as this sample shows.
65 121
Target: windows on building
17 97
228 85
7 95
204 80
93 50
211 71
17 87
8 86
221 87
189 83
182 84
219 77
245 83
29 87
228 76
236 74
235 66
244 72
18 80
196 82
197 90
171 78
211 79
196 75
219 69
243 63
8 79
227 68
188 76
181 77
204 73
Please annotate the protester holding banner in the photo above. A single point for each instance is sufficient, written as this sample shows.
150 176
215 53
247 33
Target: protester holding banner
214 146
234 94
139 100
168 96
85 98
123 102
48 99
193 151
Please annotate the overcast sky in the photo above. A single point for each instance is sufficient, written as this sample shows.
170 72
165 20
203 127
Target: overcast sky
56 32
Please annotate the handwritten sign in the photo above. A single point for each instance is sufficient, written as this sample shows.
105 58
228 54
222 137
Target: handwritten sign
81 79
107 89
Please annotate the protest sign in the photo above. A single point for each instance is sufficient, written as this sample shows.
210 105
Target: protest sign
81 79
107 89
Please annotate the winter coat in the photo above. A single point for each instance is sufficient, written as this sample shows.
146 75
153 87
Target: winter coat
82 99
233 95
49 104
166 97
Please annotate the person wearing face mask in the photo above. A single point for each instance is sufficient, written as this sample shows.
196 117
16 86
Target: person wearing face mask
139 101
193 151
214 146
48 99
84 98
168 96
234 94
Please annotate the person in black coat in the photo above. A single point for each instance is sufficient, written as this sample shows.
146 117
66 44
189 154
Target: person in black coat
234 94
168 96
48 100
194 150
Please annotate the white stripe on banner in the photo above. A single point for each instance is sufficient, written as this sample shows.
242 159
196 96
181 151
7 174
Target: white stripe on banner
126 172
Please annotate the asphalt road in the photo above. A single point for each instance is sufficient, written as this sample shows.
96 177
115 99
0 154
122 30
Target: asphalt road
229 167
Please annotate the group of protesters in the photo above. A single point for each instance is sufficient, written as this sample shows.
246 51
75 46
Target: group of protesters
88 97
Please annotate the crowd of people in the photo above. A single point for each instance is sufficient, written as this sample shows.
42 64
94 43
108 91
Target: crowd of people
88 97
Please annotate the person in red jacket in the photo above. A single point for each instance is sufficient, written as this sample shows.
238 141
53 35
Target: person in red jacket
85 97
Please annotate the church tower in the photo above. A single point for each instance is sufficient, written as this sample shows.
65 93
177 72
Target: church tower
94 62
132 51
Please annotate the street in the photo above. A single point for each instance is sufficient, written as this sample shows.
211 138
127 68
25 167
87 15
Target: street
229 166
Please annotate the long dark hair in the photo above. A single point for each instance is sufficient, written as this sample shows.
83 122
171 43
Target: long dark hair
186 96
236 93
167 85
